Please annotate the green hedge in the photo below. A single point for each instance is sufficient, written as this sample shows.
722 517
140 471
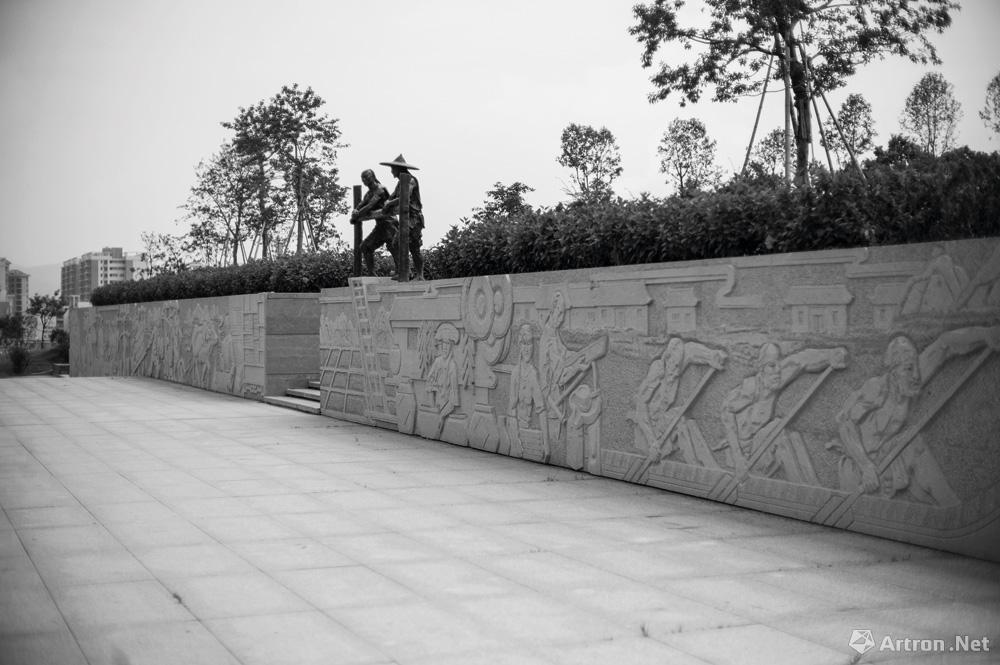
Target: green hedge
951 197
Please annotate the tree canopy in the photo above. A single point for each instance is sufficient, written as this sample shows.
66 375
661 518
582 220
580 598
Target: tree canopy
688 155
858 127
816 44
291 148
931 114
593 156
990 113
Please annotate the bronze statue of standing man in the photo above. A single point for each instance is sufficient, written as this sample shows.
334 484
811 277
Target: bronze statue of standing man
372 207
416 214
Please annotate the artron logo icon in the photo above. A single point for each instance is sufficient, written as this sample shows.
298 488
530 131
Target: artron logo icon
862 641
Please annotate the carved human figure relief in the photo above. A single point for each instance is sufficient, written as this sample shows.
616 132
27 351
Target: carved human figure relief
442 375
563 369
526 403
758 441
583 433
662 429
882 452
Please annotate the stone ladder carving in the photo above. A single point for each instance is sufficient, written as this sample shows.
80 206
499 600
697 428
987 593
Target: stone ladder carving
374 385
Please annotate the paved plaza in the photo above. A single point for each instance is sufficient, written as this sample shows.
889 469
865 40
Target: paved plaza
147 522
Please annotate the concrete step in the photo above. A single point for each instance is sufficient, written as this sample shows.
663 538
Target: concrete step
304 393
297 403
314 384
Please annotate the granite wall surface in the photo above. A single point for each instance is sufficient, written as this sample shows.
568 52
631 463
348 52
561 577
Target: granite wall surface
248 345
855 388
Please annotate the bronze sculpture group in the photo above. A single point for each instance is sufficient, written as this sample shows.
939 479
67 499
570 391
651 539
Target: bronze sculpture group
378 204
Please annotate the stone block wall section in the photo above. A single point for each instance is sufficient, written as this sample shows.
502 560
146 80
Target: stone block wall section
248 345
855 388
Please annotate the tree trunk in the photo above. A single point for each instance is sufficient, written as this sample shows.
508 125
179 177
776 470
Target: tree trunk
262 205
801 113
299 209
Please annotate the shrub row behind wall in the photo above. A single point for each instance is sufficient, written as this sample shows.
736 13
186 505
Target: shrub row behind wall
952 197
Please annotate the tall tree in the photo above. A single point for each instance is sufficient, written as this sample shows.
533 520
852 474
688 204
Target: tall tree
221 208
594 157
306 143
47 309
817 44
687 155
855 120
931 114
991 110
292 148
254 146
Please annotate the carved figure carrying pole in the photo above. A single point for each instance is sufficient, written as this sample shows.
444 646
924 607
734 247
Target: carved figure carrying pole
724 491
640 474
836 511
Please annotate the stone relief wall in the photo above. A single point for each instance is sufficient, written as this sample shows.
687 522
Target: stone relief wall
852 388
218 344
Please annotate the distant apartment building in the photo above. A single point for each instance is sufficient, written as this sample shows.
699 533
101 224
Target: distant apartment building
80 276
17 291
4 269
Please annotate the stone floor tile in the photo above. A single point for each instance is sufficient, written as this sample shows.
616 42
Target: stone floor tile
244 528
631 650
750 597
449 578
344 586
360 499
411 519
383 547
650 611
552 536
468 542
57 647
252 487
532 618
222 507
118 604
291 554
48 516
90 567
26 605
329 522
173 643
302 638
45 541
753 644
417 629
166 532
177 561
505 655
130 513
246 594
10 543
285 503
549 571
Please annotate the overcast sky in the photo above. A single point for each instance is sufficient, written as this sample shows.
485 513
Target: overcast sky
108 105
